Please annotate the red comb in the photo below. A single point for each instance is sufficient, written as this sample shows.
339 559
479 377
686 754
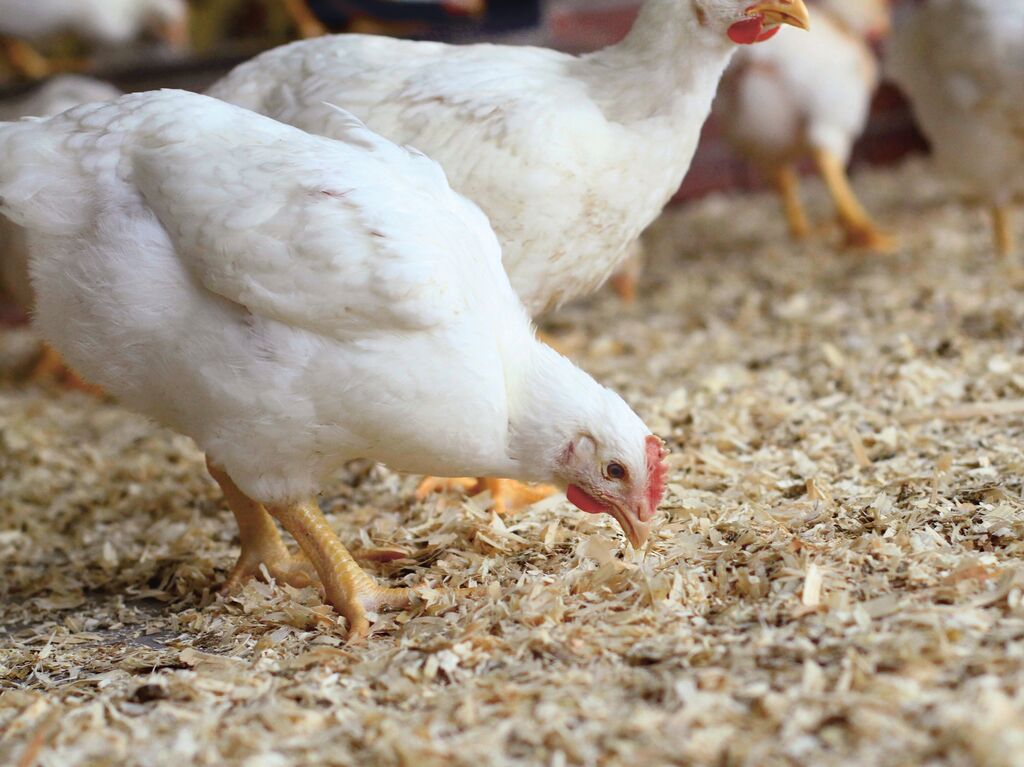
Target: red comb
657 470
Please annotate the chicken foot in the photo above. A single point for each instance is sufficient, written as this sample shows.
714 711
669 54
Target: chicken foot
1003 230
350 590
507 495
788 184
49 366
261 542
861 231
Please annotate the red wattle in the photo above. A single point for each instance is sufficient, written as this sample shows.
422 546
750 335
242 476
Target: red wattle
748 31
768 34
584 501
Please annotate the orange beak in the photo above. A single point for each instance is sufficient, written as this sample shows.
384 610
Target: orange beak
778 12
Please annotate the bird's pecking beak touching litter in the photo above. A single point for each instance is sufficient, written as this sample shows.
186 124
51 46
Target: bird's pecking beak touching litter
765 18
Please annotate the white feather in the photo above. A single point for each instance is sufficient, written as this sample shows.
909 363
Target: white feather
570 157
289 301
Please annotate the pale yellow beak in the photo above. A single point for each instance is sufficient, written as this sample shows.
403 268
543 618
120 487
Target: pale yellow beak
777 12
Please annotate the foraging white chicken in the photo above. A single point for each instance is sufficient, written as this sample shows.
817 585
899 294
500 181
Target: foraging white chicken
100 22
292 302
809 94
54 97
571 157
967 91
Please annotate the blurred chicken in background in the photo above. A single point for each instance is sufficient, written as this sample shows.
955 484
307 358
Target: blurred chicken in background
27 23
809 93
967 91
57 95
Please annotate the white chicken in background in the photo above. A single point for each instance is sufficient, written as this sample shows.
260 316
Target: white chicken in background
967 91
809 95
293 302
99 22
57 95
571 157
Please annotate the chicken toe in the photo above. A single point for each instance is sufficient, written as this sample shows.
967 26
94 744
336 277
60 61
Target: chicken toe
347 588
49 366
261 542
507 495
860 230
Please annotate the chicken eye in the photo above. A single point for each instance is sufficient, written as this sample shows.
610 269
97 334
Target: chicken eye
615 470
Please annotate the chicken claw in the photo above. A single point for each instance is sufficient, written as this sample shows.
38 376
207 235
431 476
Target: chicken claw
49 366
347 588
261 542
860 230
507 495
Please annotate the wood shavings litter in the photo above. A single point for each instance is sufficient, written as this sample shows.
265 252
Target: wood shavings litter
833 582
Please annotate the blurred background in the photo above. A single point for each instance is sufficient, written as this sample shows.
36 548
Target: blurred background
193 49
223 33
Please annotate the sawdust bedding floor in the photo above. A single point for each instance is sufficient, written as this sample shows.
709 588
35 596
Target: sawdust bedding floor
837 578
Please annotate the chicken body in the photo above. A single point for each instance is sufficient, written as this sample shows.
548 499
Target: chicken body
57 95
967 91
570 157
293 302
804 95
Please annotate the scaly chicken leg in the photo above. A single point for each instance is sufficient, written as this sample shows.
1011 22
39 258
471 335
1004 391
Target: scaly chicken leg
307 24
351 591
860 230
25 59
1003 228
49 366
507 495
788 184
261 541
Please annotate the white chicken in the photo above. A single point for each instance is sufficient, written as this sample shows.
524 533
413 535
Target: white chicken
100 22
570 157
57 95
809 94
292 302
967 91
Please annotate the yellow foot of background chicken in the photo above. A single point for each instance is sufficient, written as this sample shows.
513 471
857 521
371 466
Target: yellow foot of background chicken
869 238
49 366
507 495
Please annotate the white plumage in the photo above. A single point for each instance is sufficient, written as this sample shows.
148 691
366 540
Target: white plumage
570 157
292 302
962 64
57 95
803 94
98 21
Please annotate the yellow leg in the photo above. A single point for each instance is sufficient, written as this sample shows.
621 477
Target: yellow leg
860 230
25 59
307 24
50 367
788 184
1003 229
507 495
351 591
261 541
